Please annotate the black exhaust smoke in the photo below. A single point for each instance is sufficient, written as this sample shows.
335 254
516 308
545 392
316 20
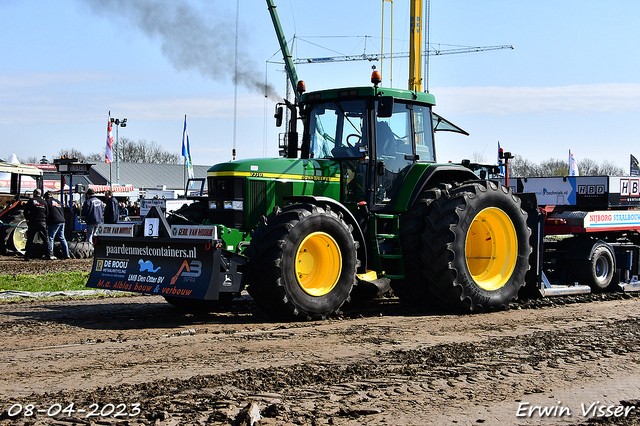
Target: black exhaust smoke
189 40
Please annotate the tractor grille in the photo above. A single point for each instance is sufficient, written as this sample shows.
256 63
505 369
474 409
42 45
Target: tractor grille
257 202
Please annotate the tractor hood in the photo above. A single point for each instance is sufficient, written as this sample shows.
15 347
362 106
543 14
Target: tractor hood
293 169
240 192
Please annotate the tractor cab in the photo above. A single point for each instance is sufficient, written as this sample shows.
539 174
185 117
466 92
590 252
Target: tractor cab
378 139
377 134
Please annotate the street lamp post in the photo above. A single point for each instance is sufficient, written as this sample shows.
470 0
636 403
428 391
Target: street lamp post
118 123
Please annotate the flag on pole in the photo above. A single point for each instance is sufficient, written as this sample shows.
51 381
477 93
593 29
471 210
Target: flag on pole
186 150
573 165
634 168
108 156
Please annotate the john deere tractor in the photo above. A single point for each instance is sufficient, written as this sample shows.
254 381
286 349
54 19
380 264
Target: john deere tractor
358 196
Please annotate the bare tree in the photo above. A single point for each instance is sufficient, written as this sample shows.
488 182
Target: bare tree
144 152
29 160
609 169
128 151
588 167
522 167
553 167
477 157
95 157
74 153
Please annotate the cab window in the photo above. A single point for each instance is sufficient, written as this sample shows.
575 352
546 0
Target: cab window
337 129
424 133
393 151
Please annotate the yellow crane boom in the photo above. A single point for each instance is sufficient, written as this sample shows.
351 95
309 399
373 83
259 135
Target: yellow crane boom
415 52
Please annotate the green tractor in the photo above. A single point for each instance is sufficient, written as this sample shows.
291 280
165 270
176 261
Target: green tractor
361 198
357 198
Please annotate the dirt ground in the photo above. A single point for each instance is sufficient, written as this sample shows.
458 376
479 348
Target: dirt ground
13 265
136 360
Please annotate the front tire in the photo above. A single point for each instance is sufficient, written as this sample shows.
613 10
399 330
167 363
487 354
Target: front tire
302 262
466 247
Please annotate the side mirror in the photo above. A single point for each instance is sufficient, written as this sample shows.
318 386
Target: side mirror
385 106
278 116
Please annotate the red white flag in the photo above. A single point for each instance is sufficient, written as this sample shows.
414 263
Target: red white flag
573 165
109 151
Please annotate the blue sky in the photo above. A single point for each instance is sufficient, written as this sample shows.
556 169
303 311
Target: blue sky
570 83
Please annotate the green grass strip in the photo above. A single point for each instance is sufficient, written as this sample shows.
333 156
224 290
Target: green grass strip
60 281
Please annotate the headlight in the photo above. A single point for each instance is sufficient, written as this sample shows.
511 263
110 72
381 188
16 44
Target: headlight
212 205
234 205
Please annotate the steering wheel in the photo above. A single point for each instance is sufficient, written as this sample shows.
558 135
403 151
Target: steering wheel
354 136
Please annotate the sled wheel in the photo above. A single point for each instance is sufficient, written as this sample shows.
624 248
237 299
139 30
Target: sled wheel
598 271
466 247
80 249
302 262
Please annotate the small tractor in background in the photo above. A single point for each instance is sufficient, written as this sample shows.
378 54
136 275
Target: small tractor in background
17 182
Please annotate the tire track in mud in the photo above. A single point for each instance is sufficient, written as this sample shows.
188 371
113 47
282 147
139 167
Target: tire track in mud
382 388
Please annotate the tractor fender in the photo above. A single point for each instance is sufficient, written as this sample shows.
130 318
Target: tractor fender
10 207
348 217
433 175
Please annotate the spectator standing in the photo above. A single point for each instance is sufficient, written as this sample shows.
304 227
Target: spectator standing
36 212
111 209
92 211
124 213
55 224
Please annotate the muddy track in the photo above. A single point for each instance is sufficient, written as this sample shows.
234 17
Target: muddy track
377 364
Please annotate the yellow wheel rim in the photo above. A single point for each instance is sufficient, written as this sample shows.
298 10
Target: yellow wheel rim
491 248
318 264
19 237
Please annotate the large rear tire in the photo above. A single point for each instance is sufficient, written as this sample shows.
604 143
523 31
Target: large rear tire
80 249
302 262
17 238
14 234
466 247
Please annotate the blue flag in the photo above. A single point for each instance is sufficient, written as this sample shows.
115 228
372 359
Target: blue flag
186 150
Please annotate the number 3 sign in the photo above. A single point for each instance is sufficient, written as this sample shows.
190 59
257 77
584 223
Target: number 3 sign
151 226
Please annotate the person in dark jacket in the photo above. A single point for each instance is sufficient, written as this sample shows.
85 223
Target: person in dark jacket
55 224
111 210
124 213
36 212
92 211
